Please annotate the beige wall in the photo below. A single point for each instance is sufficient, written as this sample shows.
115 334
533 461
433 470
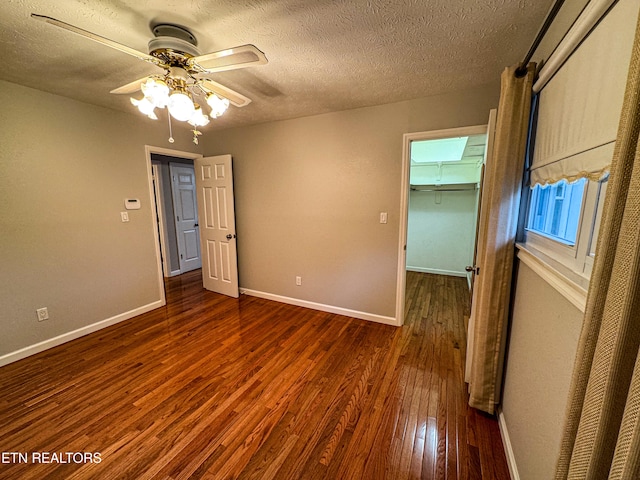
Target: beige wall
441 234
66 168
542 347
309 192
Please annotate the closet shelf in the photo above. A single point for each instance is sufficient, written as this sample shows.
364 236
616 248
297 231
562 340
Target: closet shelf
444 187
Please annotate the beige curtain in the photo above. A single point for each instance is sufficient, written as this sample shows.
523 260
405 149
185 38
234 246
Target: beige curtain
602 433
496 238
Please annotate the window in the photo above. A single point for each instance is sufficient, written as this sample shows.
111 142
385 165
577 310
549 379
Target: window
563 220
554 210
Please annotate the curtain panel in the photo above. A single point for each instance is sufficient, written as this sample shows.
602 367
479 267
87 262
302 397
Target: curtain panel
496 238
601 438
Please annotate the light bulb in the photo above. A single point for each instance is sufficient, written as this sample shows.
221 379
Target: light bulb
180 106
218 105
198 119
156 91
145 107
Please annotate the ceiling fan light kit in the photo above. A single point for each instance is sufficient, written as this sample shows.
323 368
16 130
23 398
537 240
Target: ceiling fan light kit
145 107
156 91
174 49
218 104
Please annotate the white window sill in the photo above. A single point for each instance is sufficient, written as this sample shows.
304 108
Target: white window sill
566 282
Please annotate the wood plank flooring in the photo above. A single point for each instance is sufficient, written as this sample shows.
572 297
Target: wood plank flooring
213 387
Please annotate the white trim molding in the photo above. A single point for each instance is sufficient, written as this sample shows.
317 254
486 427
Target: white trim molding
508 449
372 317
568 288
74 334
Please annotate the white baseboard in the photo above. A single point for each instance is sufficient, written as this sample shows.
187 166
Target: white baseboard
80 332
436 271
323 308
508 450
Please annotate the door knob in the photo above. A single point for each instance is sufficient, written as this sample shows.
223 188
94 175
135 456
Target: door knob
229 236
472 268
196 225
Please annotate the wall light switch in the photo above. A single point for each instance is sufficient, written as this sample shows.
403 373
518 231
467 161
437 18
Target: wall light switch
383 217
124 216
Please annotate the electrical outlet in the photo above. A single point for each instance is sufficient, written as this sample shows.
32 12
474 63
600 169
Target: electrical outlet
298 281
43 314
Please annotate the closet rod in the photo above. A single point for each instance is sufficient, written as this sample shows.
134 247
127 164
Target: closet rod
443 189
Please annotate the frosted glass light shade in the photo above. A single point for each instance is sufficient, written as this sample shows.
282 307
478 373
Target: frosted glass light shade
156 91
218 105
145 107
181 106
198 119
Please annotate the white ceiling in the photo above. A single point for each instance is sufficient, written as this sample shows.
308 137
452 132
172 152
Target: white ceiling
323 55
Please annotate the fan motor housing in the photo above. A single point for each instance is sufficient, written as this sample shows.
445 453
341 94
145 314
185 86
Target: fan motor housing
173 40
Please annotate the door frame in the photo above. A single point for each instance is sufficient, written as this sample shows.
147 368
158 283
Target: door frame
407 138
159 204
148 150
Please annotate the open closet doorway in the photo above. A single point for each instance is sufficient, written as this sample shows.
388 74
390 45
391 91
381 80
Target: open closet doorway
440 201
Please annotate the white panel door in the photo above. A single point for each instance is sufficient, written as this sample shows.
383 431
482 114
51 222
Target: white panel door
185 208
214 184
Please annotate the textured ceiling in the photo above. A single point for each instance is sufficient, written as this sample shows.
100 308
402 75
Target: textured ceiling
323 55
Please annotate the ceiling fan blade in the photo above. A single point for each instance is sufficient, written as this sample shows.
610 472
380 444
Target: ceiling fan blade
129 87
230 59
99 39
234 97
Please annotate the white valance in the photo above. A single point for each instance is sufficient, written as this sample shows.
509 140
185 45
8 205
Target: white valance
579 108
592 164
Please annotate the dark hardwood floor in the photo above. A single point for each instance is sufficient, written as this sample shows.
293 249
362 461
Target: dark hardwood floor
213 387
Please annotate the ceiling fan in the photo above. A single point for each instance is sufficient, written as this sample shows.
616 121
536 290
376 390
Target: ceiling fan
186 77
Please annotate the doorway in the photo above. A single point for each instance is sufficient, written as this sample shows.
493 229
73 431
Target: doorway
176 213
440 203
155 184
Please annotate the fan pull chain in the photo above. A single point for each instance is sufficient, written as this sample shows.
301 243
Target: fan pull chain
195 135
171 140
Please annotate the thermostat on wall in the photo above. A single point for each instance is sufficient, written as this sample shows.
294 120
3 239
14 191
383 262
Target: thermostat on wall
132 204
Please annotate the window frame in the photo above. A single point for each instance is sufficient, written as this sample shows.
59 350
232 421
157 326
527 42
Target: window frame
549 204
578 258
